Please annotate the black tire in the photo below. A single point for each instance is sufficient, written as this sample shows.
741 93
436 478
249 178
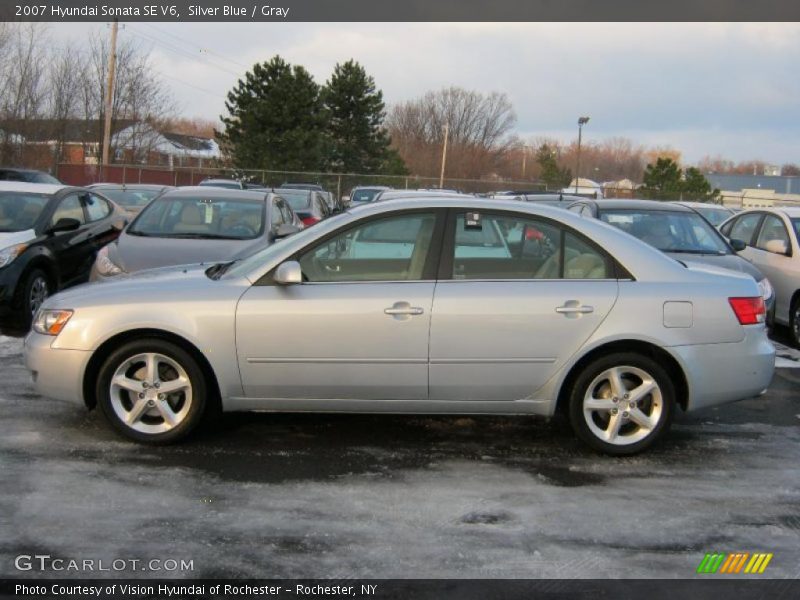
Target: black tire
660 402
794 322
34 284
198 398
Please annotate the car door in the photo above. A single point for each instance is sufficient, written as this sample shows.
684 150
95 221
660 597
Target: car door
779 267
502 326
357 327
71 248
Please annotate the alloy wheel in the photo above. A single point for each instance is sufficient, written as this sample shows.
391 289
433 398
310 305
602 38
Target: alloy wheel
38 294
623 405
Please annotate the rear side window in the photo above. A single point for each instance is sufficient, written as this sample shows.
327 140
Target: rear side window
772 229
491 246
96 207
69 208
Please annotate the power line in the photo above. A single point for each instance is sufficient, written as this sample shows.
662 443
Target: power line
194 45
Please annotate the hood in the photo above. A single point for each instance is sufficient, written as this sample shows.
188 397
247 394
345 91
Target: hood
10 238
730 262
165 284
135 253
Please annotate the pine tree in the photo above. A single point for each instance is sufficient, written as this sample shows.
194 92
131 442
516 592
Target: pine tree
356 139
275 119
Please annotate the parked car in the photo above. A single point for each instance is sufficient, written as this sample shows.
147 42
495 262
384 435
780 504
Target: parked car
603 327
193 225
365 194
715 214
334 205
133 197
770 240
27 175
49 236
679 232
231 184
309 205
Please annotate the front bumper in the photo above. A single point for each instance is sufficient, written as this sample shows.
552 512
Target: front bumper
56 373
722 373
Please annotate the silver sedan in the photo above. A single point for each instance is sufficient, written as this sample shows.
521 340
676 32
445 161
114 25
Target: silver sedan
428 305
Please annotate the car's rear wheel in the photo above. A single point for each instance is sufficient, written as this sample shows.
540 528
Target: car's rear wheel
152 391
622 403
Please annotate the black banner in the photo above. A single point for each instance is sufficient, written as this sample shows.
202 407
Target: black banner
398 10
385 589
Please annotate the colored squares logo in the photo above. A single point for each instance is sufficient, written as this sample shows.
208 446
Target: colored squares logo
735 563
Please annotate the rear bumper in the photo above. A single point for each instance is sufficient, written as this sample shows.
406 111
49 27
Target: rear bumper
56 373
722 373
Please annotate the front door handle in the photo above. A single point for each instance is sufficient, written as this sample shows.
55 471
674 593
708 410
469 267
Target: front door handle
574 309
403 309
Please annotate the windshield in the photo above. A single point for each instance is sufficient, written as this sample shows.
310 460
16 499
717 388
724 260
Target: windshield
297 199
366 195
669 231
715 214
200 217
19 212
130 198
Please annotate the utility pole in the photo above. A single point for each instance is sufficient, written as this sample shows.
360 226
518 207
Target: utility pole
444 154
112 65
524 157
581 122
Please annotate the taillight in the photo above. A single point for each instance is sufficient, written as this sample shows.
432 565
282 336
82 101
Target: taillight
308 221
749 311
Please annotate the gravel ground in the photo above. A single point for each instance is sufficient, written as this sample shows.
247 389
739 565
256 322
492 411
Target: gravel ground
388 496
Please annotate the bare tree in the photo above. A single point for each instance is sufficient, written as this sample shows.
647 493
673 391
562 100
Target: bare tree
63 104
479 128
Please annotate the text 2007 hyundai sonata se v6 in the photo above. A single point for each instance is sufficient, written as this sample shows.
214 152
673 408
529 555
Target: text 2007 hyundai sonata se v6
432 305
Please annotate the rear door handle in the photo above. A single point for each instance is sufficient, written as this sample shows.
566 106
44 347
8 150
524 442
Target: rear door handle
403 308
573 308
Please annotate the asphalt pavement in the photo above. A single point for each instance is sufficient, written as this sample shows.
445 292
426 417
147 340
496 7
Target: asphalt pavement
340 497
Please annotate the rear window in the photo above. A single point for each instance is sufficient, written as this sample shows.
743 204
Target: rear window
298 200
201 217
130 198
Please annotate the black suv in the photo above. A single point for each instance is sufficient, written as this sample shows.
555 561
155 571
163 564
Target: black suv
49 236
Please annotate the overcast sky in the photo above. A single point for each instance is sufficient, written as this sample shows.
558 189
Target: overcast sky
703 88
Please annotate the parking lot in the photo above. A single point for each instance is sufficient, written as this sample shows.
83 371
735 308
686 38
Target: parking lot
340 496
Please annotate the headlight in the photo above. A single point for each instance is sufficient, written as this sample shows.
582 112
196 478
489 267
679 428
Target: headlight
765 287
7 255
105 266
51 322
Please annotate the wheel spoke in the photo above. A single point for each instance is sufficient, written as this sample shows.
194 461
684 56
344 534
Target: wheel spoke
151 373
174 385
136 412
615 380
642 420
598 404
640 392
170 418
126 383
614 423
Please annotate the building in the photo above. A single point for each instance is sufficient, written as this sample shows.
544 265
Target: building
732 182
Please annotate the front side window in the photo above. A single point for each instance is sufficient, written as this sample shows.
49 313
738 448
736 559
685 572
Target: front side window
390 249
743 227
69 208
276 215
488 246
772 229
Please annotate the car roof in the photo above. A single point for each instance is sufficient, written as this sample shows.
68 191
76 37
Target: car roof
34 188
209 191
701 205
129 186
635 204
793 212
393 194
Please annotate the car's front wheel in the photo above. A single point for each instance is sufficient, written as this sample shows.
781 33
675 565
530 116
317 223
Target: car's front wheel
794 322
152 391
35 290
622 403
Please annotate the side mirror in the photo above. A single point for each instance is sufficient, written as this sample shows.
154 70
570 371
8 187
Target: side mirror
776 247
64 224
738 245
288 273
285 229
